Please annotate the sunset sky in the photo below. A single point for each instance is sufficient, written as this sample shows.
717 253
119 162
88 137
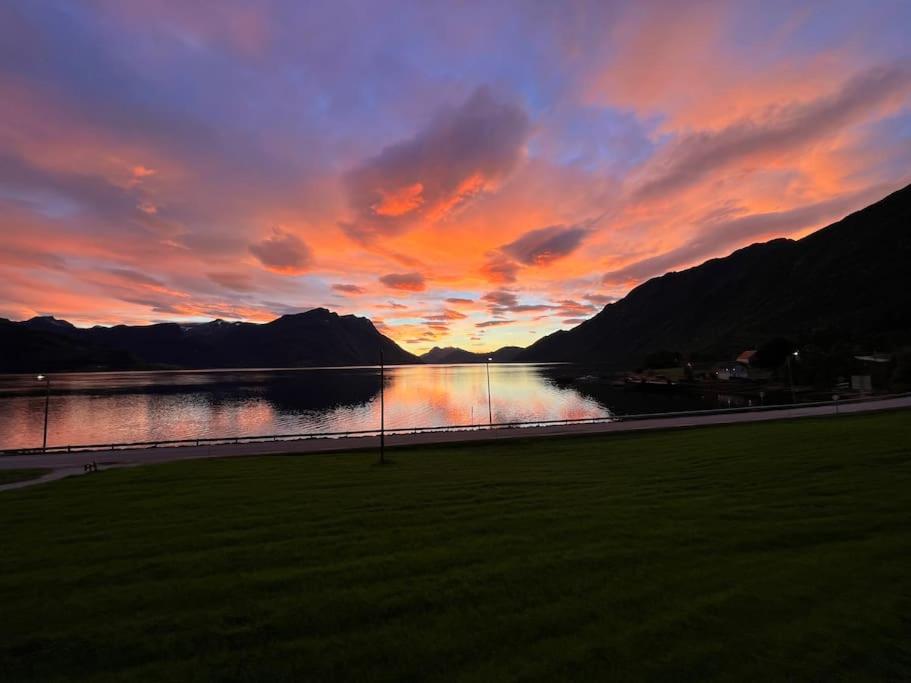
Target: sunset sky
473 173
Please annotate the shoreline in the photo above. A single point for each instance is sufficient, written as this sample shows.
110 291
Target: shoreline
72 464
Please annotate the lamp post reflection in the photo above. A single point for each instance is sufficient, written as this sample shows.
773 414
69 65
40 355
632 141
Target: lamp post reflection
489 406
47 401
382 409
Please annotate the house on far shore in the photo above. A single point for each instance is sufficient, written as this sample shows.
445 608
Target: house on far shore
735 369
731 369
747 357
873 371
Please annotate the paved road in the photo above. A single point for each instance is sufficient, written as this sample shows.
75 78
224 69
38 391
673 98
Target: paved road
53 475
66 464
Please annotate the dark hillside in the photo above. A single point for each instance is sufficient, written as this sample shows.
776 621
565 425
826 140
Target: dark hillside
849 281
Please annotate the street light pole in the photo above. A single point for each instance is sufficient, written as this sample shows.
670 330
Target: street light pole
489 408
47 401
791 376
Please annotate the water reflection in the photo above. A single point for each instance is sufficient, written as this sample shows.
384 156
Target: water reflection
149 406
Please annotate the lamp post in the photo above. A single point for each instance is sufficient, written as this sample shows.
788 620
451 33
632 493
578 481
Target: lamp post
795 354
489 408
47 401
382 410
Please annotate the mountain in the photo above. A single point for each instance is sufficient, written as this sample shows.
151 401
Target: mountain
29 348
49 323
316 338
452 354
848 282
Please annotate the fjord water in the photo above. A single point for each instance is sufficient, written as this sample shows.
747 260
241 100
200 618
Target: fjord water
109 408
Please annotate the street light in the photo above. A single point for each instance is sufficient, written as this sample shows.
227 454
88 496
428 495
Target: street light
489 408
47 400
795 354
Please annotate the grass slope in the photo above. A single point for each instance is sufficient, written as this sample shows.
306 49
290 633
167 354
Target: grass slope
768 551
12 476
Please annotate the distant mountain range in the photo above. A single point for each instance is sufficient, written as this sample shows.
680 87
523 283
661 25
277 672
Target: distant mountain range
316 338
452 354
849 282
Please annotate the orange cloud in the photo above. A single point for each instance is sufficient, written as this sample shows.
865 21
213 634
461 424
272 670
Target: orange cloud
399 202
689 160
463 152
142 171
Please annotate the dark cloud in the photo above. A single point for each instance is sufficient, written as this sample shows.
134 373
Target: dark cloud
719 237
696 155
570 308
348 289
408 282
494 323
501 302
59 194
458 300
134 277
501 297
392 305
574 321
30 258
447 314
529 308
167 303
283 252
499 270
463 152
539 247
156 304
239 282
545 245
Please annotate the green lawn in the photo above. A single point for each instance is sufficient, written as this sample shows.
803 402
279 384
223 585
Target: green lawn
12 476
761 552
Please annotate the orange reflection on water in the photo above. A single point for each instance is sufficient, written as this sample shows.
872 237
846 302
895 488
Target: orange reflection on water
112 408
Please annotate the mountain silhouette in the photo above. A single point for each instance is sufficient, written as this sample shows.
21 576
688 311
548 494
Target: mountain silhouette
848 282
317 337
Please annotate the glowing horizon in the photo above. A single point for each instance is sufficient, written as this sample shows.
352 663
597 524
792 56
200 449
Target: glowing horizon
469 176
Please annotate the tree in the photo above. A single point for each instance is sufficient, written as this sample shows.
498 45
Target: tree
774 353
662 359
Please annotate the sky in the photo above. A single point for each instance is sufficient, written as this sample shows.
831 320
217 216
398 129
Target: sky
474 174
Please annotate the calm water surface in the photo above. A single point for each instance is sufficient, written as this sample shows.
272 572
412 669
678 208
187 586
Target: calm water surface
106 408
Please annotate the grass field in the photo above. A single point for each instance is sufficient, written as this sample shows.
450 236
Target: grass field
12 476
758 552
